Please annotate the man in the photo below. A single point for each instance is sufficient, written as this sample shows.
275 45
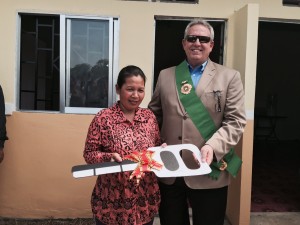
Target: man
207 112
2 125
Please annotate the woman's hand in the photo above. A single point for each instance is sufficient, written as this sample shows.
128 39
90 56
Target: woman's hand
163 145
115 157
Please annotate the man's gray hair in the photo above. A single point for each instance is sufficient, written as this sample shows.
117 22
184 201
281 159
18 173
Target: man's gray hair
200 22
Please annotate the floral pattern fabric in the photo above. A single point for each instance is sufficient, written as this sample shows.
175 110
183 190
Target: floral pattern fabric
117 199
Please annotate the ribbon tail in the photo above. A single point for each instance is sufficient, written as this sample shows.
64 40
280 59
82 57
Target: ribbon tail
234 167
215 172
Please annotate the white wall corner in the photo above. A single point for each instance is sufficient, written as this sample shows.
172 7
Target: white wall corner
9 108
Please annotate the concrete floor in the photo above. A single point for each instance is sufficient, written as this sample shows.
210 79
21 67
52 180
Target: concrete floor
266 218
156 222
275 218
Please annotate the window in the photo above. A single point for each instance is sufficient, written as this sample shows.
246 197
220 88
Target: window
172 1
291 2
67 63
182 1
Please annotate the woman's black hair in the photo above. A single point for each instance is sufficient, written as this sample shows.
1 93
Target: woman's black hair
129 71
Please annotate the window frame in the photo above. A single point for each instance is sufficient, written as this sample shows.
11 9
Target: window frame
64 71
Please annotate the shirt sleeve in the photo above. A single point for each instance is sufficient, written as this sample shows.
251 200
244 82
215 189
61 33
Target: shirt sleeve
234 119
92 151
155 103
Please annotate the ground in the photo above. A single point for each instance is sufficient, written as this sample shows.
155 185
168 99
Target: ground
50 221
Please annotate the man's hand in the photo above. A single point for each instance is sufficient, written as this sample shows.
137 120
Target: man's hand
1 155
207 154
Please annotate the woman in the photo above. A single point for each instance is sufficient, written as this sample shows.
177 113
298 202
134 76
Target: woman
114 133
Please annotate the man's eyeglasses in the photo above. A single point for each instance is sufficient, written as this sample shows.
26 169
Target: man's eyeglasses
193 38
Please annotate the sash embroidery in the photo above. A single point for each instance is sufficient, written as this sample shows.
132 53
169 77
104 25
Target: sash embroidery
202 120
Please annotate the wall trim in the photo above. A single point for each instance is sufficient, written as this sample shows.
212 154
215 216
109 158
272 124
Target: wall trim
250 114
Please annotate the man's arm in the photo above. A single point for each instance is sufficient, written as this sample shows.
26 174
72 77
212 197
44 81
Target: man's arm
234 119
155 103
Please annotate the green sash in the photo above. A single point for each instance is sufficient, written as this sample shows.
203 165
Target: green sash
202 120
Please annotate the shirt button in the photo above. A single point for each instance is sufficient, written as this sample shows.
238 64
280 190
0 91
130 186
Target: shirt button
180 138
184 117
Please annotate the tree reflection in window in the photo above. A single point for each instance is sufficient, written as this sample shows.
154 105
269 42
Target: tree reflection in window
89 85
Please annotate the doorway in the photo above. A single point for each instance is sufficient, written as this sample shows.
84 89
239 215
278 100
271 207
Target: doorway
169 33
276 170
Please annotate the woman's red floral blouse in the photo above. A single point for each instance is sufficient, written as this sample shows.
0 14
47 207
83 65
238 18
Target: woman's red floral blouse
116 199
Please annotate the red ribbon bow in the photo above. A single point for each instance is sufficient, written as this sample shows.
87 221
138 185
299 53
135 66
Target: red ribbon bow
145 163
